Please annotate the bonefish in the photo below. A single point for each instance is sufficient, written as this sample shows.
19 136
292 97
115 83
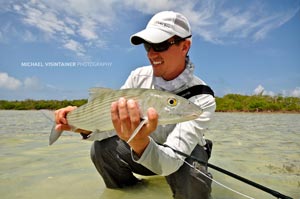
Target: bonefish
95 115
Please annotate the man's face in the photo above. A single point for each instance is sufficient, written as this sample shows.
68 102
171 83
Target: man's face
170 63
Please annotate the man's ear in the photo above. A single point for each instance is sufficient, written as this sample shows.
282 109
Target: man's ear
186 46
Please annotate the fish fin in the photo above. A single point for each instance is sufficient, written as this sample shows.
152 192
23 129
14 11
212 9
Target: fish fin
54 135
138 128
96 91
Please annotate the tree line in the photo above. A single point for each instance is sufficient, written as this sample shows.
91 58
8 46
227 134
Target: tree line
227 103
30 104
257 103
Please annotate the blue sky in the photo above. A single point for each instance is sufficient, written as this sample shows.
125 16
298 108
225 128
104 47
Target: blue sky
59 49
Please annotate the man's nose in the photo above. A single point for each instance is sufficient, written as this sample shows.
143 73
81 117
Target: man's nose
152 53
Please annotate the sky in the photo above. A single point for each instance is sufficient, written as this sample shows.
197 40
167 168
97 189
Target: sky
59 49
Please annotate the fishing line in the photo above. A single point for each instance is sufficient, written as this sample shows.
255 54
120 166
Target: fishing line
249 182
47 116
215 181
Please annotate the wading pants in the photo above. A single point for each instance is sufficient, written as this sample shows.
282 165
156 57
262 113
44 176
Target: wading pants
112 158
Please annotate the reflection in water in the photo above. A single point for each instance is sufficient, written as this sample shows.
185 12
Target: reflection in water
261 147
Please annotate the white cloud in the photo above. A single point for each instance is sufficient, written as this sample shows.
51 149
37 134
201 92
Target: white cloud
47 20
32 83
270 93
50 86
268 23
292 93
234 21
17 7
296 92
255 21
74 24
88 29
9 83
29 37
84 21
75 46
222 21
150 7
259 90
1 36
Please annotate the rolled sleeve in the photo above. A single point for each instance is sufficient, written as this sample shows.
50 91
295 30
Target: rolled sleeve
159 159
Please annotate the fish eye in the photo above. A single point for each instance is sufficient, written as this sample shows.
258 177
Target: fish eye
172 101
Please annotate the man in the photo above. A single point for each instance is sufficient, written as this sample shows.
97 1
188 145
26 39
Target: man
154 151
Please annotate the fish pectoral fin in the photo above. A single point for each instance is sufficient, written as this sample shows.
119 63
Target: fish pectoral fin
138 128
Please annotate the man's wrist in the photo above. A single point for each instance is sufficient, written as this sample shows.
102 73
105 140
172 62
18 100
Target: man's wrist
139 146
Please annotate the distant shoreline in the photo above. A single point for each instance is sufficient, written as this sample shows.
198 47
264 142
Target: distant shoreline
229 103
264 112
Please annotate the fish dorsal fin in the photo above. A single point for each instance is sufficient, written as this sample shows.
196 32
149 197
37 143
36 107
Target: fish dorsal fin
97 91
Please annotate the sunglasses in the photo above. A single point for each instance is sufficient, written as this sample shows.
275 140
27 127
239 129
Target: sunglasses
163 46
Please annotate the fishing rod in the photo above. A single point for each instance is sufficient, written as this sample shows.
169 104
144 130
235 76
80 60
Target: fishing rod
240 178
254 184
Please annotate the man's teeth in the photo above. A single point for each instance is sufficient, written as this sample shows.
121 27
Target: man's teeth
157 62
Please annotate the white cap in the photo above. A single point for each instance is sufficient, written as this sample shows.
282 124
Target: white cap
163 26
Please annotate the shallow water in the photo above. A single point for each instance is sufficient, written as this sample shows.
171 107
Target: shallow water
264 148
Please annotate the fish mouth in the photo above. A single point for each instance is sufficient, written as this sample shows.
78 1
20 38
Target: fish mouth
193 116
179 119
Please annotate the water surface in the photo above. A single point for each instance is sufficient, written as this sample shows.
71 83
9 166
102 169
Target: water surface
264 148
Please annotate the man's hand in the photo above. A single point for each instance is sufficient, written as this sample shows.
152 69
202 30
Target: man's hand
126 117
61 120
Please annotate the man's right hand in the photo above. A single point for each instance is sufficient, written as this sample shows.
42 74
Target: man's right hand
61 120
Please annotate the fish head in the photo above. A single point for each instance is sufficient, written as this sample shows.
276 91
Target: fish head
171 108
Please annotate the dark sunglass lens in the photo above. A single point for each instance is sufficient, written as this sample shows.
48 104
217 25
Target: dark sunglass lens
147 47
161 46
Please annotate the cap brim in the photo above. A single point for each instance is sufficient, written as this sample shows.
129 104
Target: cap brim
150 35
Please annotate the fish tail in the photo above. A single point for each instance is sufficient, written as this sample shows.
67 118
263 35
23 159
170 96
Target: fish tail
54 135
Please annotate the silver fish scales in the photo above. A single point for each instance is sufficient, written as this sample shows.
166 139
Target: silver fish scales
96 116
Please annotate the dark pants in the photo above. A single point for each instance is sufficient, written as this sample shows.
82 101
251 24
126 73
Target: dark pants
112 159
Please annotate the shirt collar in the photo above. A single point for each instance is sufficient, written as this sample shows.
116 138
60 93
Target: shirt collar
177 83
